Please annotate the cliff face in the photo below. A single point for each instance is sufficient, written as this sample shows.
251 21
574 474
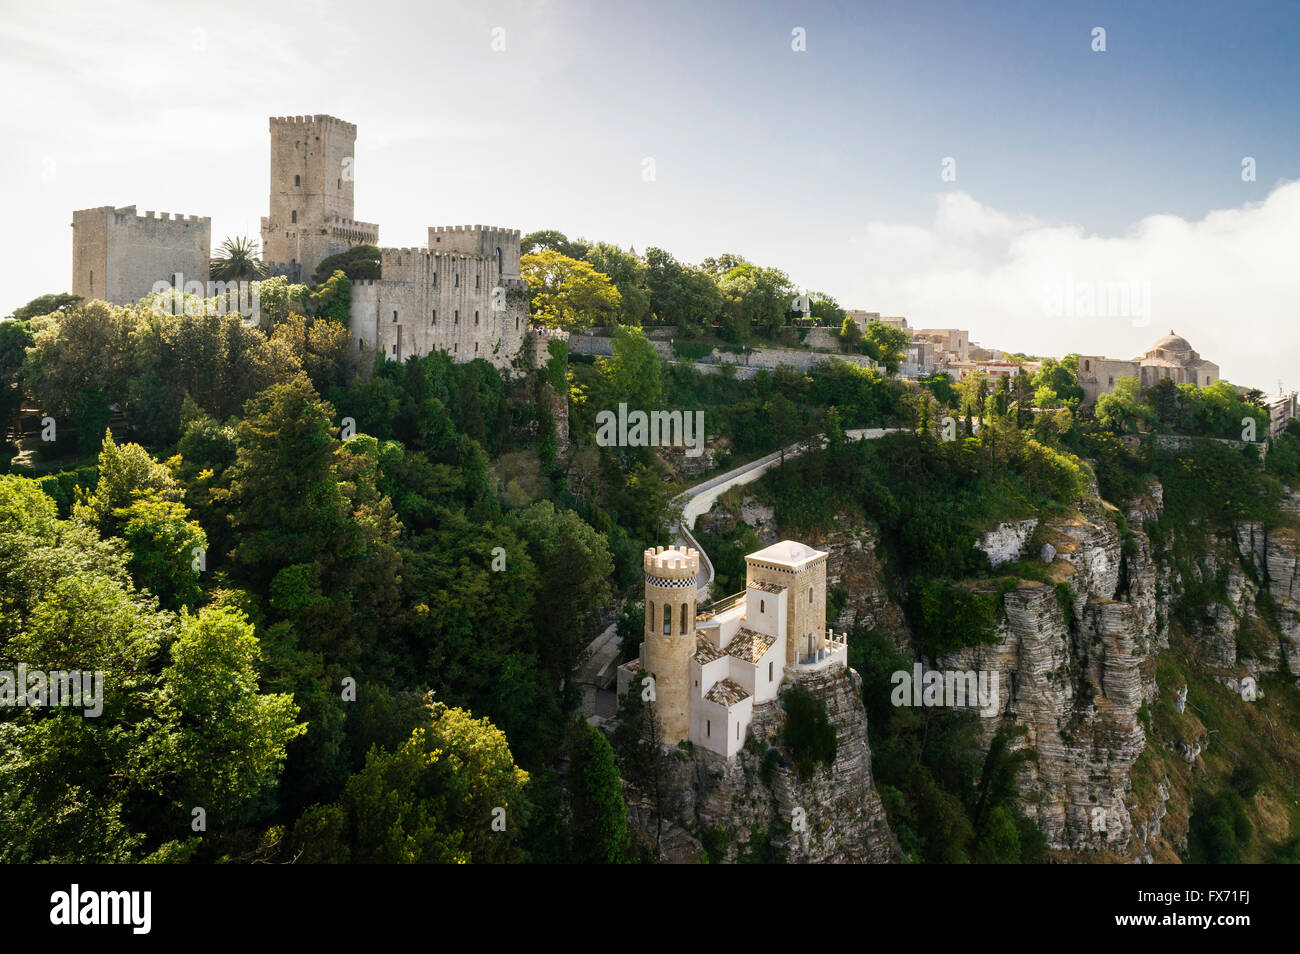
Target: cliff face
1076 661
755 807
1073 663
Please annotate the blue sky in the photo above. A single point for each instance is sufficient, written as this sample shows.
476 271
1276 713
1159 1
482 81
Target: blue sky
824 162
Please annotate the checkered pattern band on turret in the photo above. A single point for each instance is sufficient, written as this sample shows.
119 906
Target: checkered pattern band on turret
670 584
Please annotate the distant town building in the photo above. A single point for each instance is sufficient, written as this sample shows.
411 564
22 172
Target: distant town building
1171 357
863 318
1281 411
952 342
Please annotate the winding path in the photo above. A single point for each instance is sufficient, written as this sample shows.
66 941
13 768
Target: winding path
701 498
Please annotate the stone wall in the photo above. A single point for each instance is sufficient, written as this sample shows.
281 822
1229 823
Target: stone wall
471 307
118 256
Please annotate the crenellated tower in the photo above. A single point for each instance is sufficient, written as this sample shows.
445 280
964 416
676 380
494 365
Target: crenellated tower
312 184
670 590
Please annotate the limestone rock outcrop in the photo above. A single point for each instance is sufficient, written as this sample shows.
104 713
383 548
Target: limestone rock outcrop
755 806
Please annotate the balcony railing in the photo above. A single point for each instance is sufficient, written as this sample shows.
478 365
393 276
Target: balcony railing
718 607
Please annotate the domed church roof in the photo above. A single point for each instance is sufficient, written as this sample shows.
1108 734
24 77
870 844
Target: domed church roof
1171 342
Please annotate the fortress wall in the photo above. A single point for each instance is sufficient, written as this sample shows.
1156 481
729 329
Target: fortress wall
118 255
420 307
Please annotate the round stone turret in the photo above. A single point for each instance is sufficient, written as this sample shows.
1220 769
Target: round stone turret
670 589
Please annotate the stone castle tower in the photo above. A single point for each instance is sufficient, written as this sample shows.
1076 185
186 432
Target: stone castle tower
311 207
118 256
670 591
801 570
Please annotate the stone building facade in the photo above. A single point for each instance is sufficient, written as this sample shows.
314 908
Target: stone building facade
312 187
716 671
1170 357
462 294
118 256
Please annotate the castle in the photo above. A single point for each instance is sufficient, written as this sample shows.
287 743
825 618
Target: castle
712 669
461 293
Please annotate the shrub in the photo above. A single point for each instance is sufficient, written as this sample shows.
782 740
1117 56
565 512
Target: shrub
808 734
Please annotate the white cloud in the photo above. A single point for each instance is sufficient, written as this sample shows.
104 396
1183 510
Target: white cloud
1229 283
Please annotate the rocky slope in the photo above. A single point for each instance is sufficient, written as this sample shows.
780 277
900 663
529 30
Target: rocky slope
754 806
1076 657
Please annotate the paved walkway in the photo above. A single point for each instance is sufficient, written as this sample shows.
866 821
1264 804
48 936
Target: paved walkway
701 498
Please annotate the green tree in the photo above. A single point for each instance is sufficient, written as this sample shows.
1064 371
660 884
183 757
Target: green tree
885 344
1123 410
237 261
277 299
1061 379
598 812
225 743
568 293
127 474
432 800
163 541
359 263
632 374
332 299
850 333
551 240
45 305
628 273
807 734
826 310
15 339
574 560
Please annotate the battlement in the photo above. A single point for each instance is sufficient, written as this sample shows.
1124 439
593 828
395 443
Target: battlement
128 212
353 224
306 122
394 252
490 229
671 564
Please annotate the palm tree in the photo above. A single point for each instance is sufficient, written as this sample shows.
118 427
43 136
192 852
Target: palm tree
237 261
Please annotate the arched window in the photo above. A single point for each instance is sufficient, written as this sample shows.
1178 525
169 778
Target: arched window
683 629
297 180
650 616
668 620
497 256
293 216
